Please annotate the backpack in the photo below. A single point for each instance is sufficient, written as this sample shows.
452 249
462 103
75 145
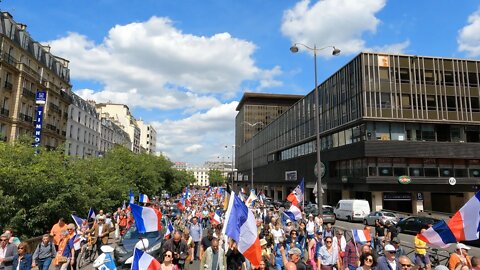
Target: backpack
52 249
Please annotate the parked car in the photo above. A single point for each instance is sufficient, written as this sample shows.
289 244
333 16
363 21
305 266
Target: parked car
328 215
412 225
352 210
124 248
381 216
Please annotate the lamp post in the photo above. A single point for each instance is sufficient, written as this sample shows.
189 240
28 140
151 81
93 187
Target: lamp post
251 168
294 49
233 152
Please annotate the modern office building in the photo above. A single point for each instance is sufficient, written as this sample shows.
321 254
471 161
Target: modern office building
83 129
122 116
148 137
26 66
401 131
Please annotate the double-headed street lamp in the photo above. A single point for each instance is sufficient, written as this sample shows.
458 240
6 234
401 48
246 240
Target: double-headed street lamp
233 152
251 169
294 49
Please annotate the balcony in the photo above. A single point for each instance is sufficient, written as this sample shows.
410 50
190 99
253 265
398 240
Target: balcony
8 86
51 127
54 108
26 118
4 112
65 116
9 59
66 97
26 69
28 94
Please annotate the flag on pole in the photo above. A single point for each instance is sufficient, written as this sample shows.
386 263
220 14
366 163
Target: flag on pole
251 199
169 231
438 235
147 219
226 197
143 198
361 236
217 217
144 261
132 197
294 212
91 214
296 196
240 225
465 224
78 221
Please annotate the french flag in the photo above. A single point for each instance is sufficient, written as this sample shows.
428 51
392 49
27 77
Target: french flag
294 213
147 219
465 224
296 196
217 217
77 241
91 214
144 261
438 235
361 236
169 231
132 197
240 225
78 221
143 198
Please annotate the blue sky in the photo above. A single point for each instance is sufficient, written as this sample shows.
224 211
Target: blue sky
184 65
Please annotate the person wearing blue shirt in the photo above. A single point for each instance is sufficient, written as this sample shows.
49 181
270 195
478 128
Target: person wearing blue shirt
23 259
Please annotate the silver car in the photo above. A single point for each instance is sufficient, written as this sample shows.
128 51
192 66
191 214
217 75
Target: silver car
382 216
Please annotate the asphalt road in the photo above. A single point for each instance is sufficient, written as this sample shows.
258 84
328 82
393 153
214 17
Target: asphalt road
406 241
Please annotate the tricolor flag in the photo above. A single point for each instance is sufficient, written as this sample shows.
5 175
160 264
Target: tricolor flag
132 197
361 236
465 224
143 198
251 199
147 219
91 214
77 220
169 231
77 241
144 261
438 235
294 212
296 196
226 198
240 225
217 217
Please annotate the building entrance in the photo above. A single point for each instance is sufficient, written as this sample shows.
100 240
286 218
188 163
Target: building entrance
394 201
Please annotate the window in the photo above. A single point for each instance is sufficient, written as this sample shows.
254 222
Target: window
416 171
431 172
385 171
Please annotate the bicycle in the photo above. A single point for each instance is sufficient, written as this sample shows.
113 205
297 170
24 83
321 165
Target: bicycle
87 253
435 257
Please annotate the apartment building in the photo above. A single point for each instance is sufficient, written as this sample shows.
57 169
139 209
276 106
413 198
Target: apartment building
112 135
148 137
26 66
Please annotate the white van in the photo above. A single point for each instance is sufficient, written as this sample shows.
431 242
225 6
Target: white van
352 210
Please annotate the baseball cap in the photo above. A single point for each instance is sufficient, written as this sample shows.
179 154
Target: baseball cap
263 242
462 246
396 240
319 232
295 250
288 221
390 248
310 215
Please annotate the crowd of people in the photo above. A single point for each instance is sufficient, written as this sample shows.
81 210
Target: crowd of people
306 243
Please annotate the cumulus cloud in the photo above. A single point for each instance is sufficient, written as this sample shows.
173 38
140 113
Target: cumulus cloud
182 137
469 36
333 22
391 48
152 64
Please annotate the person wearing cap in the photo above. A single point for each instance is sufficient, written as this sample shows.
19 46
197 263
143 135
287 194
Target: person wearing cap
266 252
422 260
294 256
100 233
314 245
310 226
388 260
460 257
289 227
396 243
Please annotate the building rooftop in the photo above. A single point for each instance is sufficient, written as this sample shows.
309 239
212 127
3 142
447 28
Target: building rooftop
267 99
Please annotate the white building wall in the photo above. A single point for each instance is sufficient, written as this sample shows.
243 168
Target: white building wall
201 175
148 136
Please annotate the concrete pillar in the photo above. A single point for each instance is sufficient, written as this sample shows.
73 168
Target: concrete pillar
377 201
417 205
427 201
467 196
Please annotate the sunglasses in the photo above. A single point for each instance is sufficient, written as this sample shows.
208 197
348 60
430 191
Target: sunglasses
20 248
168 255
406 265
3 240
392 252
369 259
328 241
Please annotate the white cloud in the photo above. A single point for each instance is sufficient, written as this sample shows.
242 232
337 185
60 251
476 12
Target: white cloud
180 138
152 64
469 36
391 48
341 23
194 148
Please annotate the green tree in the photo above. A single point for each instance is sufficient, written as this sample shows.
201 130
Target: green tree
216 178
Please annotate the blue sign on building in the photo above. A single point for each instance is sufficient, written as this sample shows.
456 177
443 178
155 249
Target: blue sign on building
38 126
41 97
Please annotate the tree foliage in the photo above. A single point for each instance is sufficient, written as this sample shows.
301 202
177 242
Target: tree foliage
38 188
216 178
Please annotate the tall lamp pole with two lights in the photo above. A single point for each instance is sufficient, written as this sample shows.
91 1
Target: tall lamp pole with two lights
251 169
294 49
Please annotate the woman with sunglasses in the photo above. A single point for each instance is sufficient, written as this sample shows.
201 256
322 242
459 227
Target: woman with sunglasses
327 255
167 263
367 262
23 259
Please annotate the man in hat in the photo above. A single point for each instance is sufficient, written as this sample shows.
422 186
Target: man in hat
388 260
460 257
289 227
396 243
294 256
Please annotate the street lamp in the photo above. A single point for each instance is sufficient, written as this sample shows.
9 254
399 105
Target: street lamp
251 169
294 49
233 152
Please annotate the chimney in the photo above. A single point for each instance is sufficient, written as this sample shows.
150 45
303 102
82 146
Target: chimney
22 27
